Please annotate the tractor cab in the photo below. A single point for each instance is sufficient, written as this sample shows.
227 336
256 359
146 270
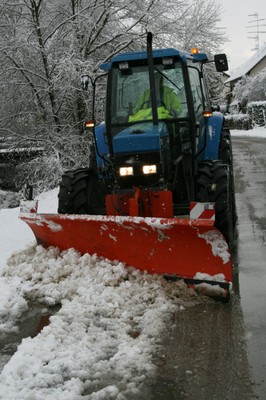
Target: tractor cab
131 92
154 116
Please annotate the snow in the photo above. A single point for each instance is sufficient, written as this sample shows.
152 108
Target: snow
218 245
211 290
91 341
102 341
259 132
21 150
208 289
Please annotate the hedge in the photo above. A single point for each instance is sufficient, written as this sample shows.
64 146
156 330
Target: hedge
257 113
256 116
238 121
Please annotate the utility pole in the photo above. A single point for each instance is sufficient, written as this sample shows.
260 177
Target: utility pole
257 31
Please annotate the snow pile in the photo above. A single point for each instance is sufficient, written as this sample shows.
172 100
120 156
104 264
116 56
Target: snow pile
12 304
101 343
210 289
259 132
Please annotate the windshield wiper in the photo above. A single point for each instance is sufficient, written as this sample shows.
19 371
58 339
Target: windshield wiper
166 77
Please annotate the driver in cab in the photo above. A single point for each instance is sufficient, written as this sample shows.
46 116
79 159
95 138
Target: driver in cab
168 104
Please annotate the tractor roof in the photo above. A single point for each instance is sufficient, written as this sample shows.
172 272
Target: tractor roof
157 53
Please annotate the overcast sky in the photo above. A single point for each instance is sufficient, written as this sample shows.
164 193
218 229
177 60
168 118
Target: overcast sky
236 19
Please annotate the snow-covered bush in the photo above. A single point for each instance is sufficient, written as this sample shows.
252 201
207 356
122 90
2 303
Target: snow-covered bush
62 152
248 106
238 121
257 113
9 199
250 89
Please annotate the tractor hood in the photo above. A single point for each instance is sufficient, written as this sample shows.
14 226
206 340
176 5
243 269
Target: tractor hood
141 137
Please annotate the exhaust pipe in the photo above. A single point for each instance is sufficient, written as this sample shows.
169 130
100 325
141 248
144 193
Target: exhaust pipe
152 80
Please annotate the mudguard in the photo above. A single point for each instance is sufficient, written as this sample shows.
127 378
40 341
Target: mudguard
214 129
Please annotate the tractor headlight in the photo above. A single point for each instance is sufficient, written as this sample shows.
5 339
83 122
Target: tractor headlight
125 171
149 169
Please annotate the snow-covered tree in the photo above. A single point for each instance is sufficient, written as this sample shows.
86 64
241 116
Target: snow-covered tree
250 88
46 45
215 85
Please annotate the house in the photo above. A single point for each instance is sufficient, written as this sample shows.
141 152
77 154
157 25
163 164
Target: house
251 108
254 65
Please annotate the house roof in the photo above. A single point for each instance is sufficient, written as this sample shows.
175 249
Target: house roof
249 65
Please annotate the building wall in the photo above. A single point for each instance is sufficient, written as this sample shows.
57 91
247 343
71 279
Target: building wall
259 67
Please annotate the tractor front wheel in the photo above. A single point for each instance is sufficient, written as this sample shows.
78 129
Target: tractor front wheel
81 192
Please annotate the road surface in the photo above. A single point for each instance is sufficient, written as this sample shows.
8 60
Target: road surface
218 351
250 175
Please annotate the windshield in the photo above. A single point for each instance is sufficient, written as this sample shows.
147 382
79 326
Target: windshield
131 98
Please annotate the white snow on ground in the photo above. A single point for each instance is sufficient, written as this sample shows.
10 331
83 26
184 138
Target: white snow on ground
259 132
105 333
15 234
100 345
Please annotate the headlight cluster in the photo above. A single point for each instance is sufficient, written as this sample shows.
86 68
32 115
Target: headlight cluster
149 169
146 169
125 171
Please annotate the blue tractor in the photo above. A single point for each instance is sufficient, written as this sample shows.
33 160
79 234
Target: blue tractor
162 154
160 138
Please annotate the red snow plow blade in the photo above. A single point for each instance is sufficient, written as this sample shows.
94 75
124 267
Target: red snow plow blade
193 250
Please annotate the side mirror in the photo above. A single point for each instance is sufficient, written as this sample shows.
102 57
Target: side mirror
221 62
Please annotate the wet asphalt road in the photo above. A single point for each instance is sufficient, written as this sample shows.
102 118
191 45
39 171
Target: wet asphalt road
218 351
250 176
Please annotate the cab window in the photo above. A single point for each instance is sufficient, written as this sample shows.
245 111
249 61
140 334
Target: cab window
198 99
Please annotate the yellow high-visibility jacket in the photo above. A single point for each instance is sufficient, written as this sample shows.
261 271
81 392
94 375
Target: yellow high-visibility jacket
146 114
168 99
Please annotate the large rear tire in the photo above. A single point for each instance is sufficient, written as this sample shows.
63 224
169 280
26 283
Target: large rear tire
215 185
81 192
225 147
226 156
